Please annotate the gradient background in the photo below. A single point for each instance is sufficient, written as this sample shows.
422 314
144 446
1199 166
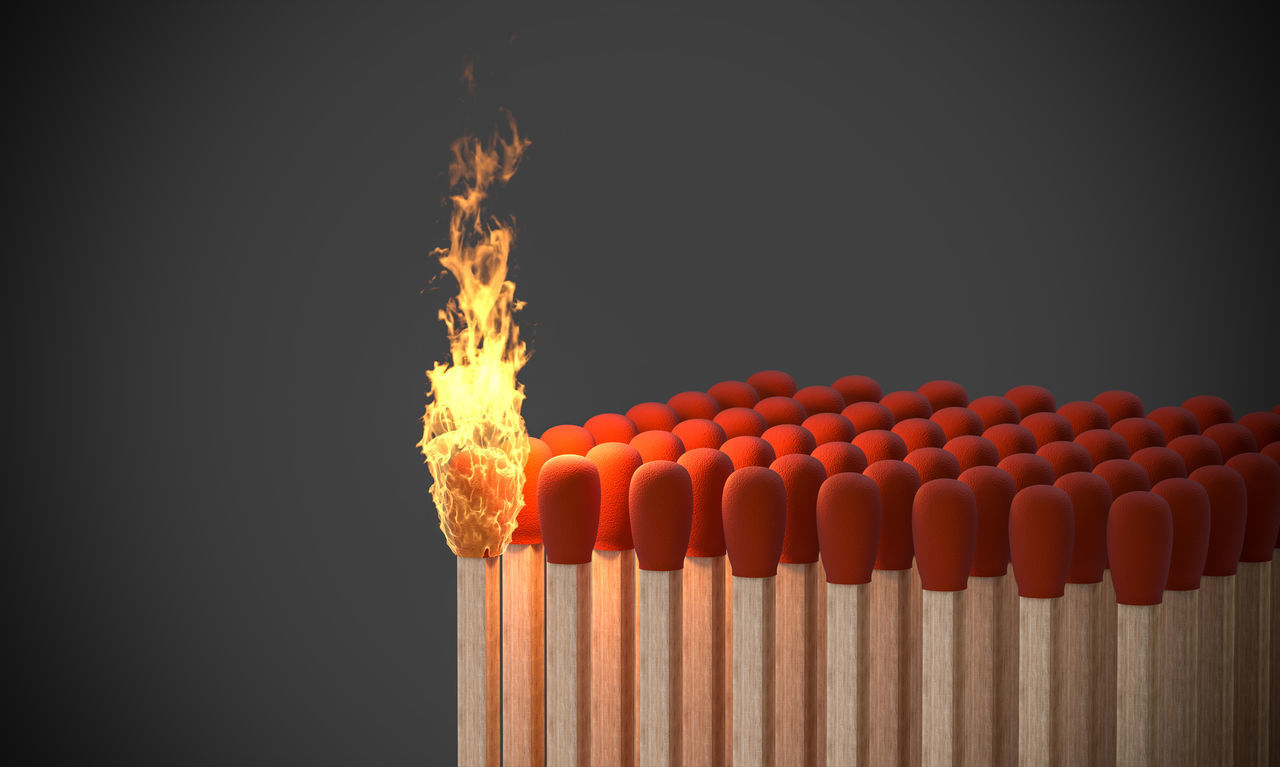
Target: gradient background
220 307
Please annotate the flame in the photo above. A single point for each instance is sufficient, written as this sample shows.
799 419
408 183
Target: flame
473 435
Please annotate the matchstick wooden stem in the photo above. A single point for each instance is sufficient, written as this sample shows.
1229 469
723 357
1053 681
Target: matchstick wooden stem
523 661
1179 677
915 668
1078 640
569 665
659 687
754 658
1039 681
801 673
1105 706
889 675
728 664
704 659
1253 663
987 658
1137 684
848 665
942 678
479 663
1273 700
1215 741
613 657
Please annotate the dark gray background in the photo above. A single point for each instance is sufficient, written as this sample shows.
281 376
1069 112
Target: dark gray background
223 550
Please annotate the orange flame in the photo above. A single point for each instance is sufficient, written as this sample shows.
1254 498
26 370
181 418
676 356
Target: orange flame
473 436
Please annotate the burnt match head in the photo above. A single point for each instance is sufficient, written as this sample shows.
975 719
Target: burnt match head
840 457
1174 421
856 388
994 409
868 416
820 399
880 445
1084 416
1138 433
1041 537
1031 399
942 394
1028 469
772 383
920 432
1120 404
741 421
944 531
748 451
611 427
933 463
1090 502
830 427
848 527
615 463
898 483
567 439
1010 439
694 404
1228 508
1264 425
1209 410
729 394
1196 450
708 471
788 438
699 432
1262 521
973 451
653 416
1160 463
661 503
1103 445
1066 458
802 475
528 529
1189 505
906 404
778 410
1048 427
993 490
1139 547
755 519
568 508
657 445
1123 476
957 422
1232 439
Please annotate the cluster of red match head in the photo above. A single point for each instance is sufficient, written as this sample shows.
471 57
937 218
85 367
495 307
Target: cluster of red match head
771 473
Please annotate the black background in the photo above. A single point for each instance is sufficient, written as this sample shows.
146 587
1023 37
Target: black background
221 303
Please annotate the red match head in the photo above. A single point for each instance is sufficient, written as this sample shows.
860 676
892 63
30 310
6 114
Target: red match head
1232 439
868 416
933 463
880 445
942 394
1209 410
858 389
1272 451
568 439
848 527
1228 507
658 446
615 464
993 490
802 475
840 457
1120 405
957 422
1160 463
906 404
820 399
1264 425
748 451
1084 416
729 394
1139 547
1103 445
653 416
708 471
568 508
611 427
778 410
1262 520
1138 433
1174 421
1048 427
772 383
788 438
1042 532
993 410
920 432
973 451
1010 439
699 432
1123 476
1066 458
898 483
1031 399
1090 502
741 421
1189 505
694 404
661 504
1027 469
830 427
528 530
944 530
755 520
1196 450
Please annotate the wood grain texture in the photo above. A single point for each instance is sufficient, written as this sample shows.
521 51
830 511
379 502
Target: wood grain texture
800 671
1274 697
1039 681
479 662
848 666
704 659
942 679
1215 739
754 658
889 675
1008 673
1137 684
659 681
568 664
1077 639
987 658
1178 710
728 665
915 667
1253 663
523 658
613 657
1105 706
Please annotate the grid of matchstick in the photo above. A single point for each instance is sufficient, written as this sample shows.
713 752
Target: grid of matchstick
762 574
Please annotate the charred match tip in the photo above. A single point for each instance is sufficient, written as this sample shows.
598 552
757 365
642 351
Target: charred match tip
1123 476
694 404
1138 433
615 464
658 445
787 438
1010 439
920 432
994 409
611 427
1027 470
1042 532
1262 517
1196 450
906 404
653 416
1066 458
1084 416
944 394
1160 463
1103 445
528 529
1232 439
740 422
848 527
820 399
971 451
1189 506
1264 425
958 422
840 457
699 432
898 482
993 490
1048 427
830 427
933 463
755 521
661 505
944 529
1209 410
748 451
856 388
1139 547
868 416
1228 507
1174 421
1031 399
1120 404
803 476
568 508
772 383
708 470
1090 502
881 445
730 394
780 409
567 439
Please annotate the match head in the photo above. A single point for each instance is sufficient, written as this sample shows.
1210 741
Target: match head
729 394
528 530
973 451
1066 458
993 490
788 438
1262 519
1123 476
868 416
1103 445
898 483
820 399
857 388
830 427
661 502
906 404
1084 416
1264 425
803 476
708 471
1138 433
848 527
1272 451
699 432
1189 504
920 432
993 409
944 529
1139 547
1196 450
615 464
1010 439
568 508
958 421
611 427
1232 439
942 394
1048 427
567 439
653 416
1031 399
1160 463
658 446
741 421
755 520
880 445
772 383
1228 508
1042 532
1174 421
748 451
1209 410
1120 404
1027 469
778 410
694 404
933 463
840 457
1090 503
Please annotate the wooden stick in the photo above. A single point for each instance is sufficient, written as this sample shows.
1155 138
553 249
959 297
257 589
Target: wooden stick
1008 673
1105 708
987 658
754 658
479 662
801 647
704 658
889 674
942 679
1179 677
915 669
523 659
569 665
613 657
1039 681
1078 657
1137 684
1215 741
1273 700
660 686
728 665
1253 663
848 666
